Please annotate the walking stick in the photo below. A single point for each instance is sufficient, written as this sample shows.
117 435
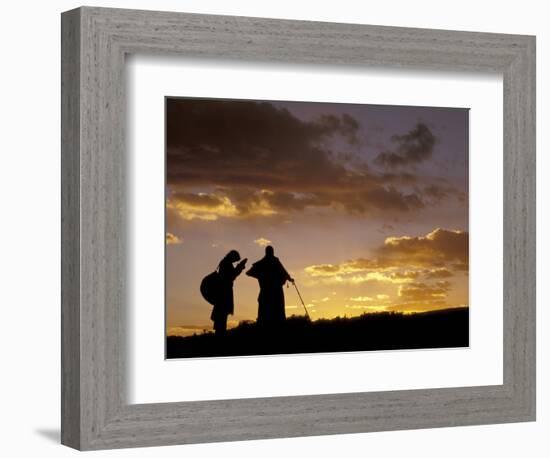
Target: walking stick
302 301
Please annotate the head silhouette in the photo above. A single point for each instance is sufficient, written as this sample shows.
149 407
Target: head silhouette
233 256
269 251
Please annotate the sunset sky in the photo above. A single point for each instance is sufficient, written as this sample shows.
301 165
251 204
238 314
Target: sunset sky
365 205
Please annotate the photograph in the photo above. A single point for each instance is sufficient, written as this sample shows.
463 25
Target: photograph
306 227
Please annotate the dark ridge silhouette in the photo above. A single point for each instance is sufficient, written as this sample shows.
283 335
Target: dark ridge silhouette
447 328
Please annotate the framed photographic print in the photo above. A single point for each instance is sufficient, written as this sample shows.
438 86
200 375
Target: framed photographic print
325 196
336 220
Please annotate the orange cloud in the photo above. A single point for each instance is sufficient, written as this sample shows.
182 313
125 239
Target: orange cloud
440 272
201 206
401 260
367 308
418 265
186 330
347 267
439 247
423 292
172 239
377 298
214 205
262 242
357 279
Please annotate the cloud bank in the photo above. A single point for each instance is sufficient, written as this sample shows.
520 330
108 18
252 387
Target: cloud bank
419 266
246 159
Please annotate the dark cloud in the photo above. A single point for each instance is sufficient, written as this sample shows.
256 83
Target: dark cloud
242 143
245 159
346 125
389 198
385 228
399 177
437 192
413 147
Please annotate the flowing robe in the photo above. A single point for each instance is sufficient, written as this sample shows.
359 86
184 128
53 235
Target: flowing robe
224 305
271 276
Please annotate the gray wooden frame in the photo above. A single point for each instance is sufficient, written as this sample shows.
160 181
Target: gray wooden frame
95 413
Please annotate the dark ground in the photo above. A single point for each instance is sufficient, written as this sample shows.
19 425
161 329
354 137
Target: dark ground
376 331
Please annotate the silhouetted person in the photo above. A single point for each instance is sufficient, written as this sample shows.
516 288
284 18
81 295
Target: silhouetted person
224 304
271 276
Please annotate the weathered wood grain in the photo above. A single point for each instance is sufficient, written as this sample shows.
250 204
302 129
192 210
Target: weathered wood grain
70 229
95 411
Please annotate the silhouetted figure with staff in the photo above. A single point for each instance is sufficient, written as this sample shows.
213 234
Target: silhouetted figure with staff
223 301
271 276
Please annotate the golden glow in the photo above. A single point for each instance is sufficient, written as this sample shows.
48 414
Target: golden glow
172 239
196 210
344 268
407 274
263 242
367 308
393 277
189 330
